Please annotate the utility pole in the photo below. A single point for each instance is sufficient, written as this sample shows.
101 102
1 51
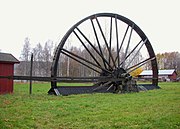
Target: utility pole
30 83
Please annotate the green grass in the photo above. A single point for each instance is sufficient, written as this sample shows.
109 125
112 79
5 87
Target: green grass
152 109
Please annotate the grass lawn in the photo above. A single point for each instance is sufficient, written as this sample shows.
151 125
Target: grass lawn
151 109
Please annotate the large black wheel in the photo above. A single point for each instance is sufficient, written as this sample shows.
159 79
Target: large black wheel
103 48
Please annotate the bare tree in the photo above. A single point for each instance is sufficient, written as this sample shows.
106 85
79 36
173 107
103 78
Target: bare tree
39 59
47 56
23 68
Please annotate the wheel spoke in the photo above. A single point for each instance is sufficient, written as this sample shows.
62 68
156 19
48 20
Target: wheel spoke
123 65
136 52
87 61
131 53
109 87
131 69
105 41
117 40
110 38
80 62
104 60
87 49
95 33
102 86
122 42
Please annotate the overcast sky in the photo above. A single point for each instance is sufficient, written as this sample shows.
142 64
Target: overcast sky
43 20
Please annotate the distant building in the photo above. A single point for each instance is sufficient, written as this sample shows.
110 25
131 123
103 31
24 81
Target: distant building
164 75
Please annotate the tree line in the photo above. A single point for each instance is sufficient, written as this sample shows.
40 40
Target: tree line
43 57
169 60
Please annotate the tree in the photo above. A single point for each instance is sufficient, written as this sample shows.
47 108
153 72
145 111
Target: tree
47 56
23 68
25 53
38 59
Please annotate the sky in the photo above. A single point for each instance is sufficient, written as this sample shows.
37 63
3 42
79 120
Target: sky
43 20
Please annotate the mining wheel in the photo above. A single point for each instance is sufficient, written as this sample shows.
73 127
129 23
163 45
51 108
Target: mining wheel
104 49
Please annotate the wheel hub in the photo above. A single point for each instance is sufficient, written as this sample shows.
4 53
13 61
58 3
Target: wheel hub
127 84
117 73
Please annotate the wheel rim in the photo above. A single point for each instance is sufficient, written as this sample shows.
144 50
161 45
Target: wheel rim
112 43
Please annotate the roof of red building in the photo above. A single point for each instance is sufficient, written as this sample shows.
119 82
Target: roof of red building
8 58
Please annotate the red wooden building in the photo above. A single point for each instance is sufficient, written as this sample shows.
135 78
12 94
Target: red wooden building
7 62
164 75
